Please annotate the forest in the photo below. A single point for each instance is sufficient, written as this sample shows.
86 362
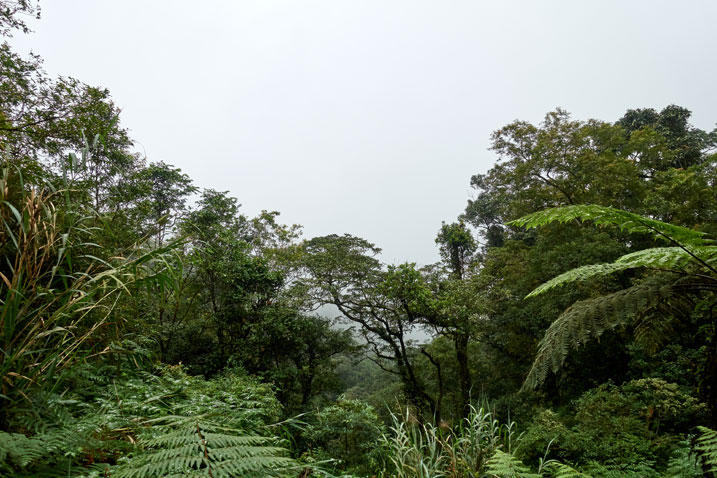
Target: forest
149 328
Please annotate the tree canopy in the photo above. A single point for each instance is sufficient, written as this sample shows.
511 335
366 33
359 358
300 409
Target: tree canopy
149 327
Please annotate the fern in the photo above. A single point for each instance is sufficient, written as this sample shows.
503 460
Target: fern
43 454
682 464
200 448
587 320
638 470
626 221
692 257
705 447
667 258
561 470
505 465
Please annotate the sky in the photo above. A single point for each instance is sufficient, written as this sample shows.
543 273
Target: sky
369 117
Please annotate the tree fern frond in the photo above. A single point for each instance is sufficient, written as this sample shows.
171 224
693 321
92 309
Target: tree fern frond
603 216
577 274
693 258
198 448
587 320
658 257
505 465
705 447
656 324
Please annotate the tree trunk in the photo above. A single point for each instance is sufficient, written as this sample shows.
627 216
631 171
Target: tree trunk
465 384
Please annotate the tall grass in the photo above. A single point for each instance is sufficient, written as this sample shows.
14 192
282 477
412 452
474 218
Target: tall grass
479 446
56 297
422 450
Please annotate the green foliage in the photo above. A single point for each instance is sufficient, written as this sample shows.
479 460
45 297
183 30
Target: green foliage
457 246
476 437
692 256
685 143
241 401
561 470
59 448
588 319
638 423
158 194
705 446
479 446
413 450
640 470
346 431
119 416
11 12
192 447
56 297
180 431
387 305
659 258
298 354
505 465
608 216
683 464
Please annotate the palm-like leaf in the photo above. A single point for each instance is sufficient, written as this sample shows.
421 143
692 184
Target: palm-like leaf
192 447
664 258
607 216
691 255
705 447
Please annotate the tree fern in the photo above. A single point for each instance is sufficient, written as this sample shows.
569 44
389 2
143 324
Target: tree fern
692 257
44 454
588 319
705 447
200 448
626 221
664 258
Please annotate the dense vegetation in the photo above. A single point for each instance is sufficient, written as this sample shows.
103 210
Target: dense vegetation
151 329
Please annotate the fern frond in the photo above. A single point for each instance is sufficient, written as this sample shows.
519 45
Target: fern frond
682 464
637 470
505 465
561 470
40 455
670 258
587 320
705 447
654 325
607 216
198 448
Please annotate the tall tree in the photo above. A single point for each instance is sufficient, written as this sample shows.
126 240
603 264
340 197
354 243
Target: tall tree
455 318
387 305
627 165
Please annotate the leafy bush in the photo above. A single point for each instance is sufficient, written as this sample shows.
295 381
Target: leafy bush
142 424
637 424
56 297
346 431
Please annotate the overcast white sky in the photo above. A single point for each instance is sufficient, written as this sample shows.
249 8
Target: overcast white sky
370 116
